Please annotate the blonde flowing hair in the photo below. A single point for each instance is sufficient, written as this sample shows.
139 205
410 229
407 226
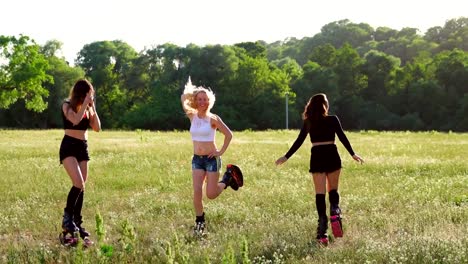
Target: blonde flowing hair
191 91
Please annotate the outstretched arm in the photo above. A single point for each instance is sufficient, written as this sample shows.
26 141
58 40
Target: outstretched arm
344 140
296 145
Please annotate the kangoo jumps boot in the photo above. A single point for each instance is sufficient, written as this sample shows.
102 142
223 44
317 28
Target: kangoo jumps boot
322 236
335 221
233 177
68 225
68 236
199 228
83 233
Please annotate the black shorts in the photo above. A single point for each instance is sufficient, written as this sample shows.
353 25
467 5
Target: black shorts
73 147
324 158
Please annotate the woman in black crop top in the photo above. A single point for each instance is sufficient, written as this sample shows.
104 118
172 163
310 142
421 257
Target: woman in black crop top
325 162
79 113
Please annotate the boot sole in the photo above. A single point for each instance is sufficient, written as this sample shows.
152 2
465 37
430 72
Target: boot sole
237 176
87 242
68 239
323 241
337 229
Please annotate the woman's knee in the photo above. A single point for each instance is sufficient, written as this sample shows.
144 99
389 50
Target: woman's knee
80 185
211 194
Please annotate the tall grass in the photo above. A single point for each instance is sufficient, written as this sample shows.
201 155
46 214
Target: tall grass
407 204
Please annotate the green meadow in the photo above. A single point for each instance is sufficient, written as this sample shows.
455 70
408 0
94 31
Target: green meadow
408 203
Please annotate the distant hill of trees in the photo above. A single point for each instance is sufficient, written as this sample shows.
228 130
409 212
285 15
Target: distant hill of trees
376 79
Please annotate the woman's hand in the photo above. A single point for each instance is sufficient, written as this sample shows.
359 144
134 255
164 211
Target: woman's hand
215 153
357 158
89 99
281 160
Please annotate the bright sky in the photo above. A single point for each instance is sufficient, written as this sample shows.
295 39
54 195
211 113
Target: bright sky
147 23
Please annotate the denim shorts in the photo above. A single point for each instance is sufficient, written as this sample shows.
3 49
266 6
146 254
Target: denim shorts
202 162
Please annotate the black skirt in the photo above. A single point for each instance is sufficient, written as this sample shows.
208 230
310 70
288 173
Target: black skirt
324 158
73 147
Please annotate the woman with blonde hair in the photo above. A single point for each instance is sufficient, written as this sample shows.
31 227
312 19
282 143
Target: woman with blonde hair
325 162
206 161
78 113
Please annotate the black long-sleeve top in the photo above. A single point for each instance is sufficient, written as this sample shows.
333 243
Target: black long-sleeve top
320 131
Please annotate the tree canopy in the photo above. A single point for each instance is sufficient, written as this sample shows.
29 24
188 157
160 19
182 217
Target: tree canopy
382 79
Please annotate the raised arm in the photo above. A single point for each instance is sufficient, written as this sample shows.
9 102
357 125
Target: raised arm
95 122
187 111
71 115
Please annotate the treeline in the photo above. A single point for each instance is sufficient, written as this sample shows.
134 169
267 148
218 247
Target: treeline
379 79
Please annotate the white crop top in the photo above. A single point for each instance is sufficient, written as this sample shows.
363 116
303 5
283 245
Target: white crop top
201 129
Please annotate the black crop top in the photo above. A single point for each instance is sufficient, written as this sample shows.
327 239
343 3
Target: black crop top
320 131
67 124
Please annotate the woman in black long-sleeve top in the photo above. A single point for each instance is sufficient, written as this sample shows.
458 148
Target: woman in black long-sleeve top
325 162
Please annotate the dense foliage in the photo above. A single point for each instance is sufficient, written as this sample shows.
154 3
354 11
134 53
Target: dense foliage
380 79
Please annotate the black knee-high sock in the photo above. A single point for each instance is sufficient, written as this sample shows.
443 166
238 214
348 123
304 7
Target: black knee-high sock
78 206
321 206
334 197
71 199
200 218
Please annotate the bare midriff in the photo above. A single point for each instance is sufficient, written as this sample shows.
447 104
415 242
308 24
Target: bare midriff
323 143
203 148
79 134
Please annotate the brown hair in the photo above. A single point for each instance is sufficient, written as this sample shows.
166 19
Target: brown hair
316 108
78 94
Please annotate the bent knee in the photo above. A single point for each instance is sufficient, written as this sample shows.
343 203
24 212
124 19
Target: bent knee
211 195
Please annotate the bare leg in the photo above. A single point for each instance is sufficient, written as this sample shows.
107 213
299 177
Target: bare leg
84 171
320 182
198 177
333 179
213 187
74 171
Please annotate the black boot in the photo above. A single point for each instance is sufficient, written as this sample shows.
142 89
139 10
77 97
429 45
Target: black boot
68 225
199 228
233 177
322 236
82 230
227 179
334 198
77 215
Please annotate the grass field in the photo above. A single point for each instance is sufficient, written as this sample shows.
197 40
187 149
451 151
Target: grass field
407 204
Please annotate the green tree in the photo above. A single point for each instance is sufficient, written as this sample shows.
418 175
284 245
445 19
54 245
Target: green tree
348 68
253 49
22 73
380 69
106 63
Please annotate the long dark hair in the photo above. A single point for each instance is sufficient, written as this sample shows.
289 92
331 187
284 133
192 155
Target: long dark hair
316 108
78 94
